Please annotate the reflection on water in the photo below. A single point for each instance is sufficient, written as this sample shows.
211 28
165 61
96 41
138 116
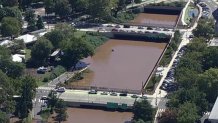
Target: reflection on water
78 115
123 64
156 19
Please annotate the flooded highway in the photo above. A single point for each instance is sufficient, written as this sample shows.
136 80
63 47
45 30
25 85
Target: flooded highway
122 64
156 19
79 115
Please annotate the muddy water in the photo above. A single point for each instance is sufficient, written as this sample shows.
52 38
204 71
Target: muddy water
78 115
122 64
156 19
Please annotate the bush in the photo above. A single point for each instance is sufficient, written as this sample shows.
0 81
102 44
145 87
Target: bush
45 79
57 72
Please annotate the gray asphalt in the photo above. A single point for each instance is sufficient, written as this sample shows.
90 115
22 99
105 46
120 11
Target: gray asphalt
44 92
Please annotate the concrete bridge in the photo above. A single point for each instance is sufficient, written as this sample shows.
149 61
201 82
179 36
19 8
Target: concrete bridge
80 98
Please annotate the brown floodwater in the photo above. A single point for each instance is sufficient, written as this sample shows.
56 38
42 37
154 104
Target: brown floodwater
79 115
156 19
122 64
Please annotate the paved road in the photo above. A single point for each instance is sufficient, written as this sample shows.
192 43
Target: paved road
38 102
132 29
185 41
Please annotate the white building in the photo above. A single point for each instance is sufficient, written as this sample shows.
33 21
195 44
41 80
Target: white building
213 118
27 38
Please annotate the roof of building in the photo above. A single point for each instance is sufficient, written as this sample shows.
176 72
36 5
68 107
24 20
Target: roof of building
27 38
56 52
214 112
6 43
18 57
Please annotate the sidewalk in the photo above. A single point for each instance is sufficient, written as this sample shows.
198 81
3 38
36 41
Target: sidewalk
184 42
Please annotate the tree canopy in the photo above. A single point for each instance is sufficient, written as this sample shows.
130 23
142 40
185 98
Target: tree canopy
204 29
41 51
10 27
75 49
142 110
187 113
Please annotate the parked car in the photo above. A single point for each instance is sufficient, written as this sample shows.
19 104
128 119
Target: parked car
114 30
158 29
134 96
113 94
109 26
123 94
61 89
92 91
149 28
44 98
42 70
165 29
140 27
117 26
104 93
126 26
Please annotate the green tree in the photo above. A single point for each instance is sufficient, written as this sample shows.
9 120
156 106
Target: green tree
29 15
137 1
189 95
208 83
17 46
10 27
121 5
6 94
39 23
187 113
62 8
13 12
10 2
101 9
52 101
78 5
12 69
40 51
204 29
49 6
142 110
210 56
4 117
25 3
169 116
75 49
60 109
28 90
5 53
32 25
55 36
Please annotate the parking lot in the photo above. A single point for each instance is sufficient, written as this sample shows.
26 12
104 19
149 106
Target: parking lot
206 10
169 84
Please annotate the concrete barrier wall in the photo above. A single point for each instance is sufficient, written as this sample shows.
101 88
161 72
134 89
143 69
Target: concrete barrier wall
163 10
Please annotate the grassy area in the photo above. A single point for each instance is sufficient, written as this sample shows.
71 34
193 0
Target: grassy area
188 18
45 115
79 33
28 54
28 119
152 82
42 79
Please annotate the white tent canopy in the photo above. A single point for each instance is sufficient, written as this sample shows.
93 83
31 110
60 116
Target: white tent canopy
27 38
